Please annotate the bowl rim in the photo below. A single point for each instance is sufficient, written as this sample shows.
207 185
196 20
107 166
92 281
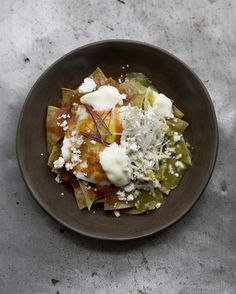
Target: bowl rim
94 235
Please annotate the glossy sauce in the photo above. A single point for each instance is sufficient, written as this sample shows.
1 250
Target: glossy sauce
89 151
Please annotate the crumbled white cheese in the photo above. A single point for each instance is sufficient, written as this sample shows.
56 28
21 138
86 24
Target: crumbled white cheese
142 137
88 85
176 137
71 145
79 141
178 156
117 213
70 151
75 150
73 133
134 147
93 142
59 163
63 124
58 179
121 195
75 158
130 197
130 187
158 205
69 166
179 164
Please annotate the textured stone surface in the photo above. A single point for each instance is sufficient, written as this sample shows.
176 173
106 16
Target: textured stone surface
197 255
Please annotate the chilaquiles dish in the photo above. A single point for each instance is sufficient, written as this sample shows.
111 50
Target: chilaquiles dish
120 144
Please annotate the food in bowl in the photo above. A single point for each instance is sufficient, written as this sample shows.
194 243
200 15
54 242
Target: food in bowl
118 144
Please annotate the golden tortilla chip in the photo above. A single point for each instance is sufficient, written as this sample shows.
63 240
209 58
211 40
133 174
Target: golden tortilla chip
54 134
79 196
98 77
134 211
164 190
54 155
89 195
177 125
99 200
117 205
67 95
177 113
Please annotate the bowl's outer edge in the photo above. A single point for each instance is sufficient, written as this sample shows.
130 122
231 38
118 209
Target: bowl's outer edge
38 81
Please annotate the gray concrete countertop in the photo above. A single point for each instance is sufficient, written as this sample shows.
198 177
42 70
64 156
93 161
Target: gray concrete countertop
197 255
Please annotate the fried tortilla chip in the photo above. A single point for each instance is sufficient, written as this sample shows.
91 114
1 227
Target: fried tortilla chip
89 195
99 200
54 133
164 190
136 90
177 113
178 125
98 77
113 205
134 211
54 155
67 94
79 196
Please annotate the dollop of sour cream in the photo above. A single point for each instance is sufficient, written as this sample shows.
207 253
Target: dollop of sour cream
115 163
163 105
106 97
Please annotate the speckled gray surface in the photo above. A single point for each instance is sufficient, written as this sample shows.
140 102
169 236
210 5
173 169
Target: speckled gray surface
197 255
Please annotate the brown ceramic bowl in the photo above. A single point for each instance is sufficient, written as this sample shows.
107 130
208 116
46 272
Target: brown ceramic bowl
170 76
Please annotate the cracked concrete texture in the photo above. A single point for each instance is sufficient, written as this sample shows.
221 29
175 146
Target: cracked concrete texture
197 255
